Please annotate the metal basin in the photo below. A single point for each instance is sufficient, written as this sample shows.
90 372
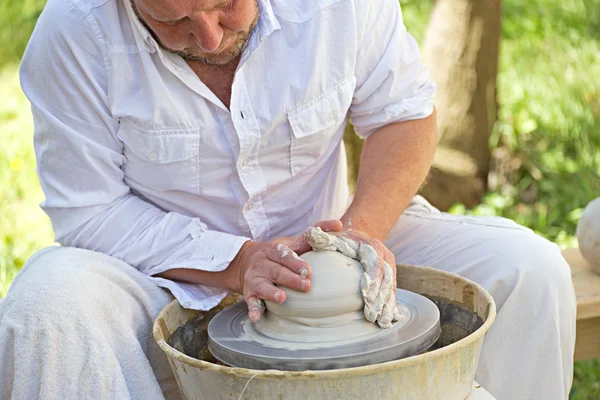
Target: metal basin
446 371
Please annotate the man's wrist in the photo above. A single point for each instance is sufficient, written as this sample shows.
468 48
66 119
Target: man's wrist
357 222
236 269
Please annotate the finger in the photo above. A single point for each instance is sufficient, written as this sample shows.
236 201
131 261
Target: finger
376 307
336 241
264 289
288 258
389 294
387 284
331 225
392 303
365 284
297 244
285 251
387 313
346 246
373 266
397 313
256 307
280 275
319 240
389 258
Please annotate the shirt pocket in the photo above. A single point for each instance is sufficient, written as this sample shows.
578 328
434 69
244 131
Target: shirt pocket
315 123
161 159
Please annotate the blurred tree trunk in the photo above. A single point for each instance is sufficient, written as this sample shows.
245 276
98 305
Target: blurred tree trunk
461 51
354 145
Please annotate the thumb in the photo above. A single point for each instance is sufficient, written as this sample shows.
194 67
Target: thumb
299 245
330 225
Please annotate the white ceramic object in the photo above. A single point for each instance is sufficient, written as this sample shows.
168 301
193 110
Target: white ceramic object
332 311
335 288
588 234
444 373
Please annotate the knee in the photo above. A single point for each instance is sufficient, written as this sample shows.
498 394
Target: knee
537 268
541 263
55 286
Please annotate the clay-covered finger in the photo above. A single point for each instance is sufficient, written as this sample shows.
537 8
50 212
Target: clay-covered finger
288 259
389 311
256 307
292 261
365 284
385 289
397 313
373 265
389 258
382 295
387 284
372 308
319 240
347 246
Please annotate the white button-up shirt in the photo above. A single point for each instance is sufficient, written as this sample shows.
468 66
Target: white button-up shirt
140 160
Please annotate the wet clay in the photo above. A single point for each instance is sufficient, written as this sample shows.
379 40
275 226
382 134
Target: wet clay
378 295
331 312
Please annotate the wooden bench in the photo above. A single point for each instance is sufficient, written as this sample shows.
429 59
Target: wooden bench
587 289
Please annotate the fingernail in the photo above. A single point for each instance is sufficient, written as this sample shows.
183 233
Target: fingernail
304 284
277 296
304 272
258 305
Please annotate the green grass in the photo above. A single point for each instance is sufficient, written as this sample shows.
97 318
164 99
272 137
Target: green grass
549 119
547 146
23 226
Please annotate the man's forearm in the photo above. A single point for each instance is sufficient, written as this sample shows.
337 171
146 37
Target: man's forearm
229 278
394 163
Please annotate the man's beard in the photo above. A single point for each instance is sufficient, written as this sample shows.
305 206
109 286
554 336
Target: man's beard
222 58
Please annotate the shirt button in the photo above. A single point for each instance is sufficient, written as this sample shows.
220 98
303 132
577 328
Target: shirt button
249 206
244 163
153 156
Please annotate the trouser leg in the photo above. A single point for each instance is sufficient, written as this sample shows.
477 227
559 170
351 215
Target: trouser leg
77 324
528 352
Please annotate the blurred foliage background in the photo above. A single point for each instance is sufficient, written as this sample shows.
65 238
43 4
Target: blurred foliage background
545 145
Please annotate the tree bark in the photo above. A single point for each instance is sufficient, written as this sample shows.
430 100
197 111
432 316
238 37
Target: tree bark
354 146
461 51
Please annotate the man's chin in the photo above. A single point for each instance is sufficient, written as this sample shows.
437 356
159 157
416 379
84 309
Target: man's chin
223 58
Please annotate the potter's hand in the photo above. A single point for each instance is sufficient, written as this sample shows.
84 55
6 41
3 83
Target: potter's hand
378 283
259 266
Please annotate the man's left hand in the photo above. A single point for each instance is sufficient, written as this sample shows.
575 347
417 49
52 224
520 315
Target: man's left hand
378 283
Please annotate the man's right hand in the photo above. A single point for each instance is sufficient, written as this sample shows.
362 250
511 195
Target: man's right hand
260 266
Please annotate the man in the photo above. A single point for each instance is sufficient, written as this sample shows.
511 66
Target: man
179 142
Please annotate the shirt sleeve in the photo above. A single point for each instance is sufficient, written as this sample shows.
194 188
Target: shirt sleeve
79 157
393 84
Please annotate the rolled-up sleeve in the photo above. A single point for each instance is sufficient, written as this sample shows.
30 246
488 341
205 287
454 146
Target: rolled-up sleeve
64 74
393 84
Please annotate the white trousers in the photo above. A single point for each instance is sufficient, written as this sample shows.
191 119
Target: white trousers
77 324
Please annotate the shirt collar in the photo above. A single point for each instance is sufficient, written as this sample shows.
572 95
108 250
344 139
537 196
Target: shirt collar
267 24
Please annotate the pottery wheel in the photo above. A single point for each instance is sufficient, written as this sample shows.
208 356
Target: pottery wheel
417 330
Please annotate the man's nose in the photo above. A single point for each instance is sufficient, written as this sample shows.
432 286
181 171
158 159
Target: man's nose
207 31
